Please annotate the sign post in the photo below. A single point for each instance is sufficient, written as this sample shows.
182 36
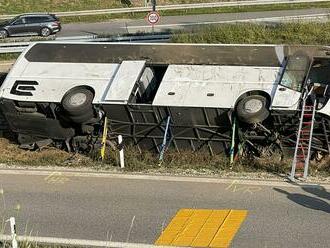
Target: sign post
153 2
153 18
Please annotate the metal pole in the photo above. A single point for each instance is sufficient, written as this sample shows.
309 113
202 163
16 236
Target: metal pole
13 232
233 142
104 138
154 3
162 151
310 141
121 151
294 162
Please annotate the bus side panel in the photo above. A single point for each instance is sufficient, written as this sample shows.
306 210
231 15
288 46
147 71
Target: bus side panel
51 81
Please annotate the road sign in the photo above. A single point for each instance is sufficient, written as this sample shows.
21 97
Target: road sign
153 17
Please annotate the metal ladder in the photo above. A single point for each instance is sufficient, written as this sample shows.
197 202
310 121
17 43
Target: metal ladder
304 139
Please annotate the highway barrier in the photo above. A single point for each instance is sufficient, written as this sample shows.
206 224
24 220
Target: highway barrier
18 47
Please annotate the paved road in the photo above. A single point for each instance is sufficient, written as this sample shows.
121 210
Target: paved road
175 22
89 207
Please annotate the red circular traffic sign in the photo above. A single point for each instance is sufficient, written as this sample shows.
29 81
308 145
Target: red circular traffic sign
153 17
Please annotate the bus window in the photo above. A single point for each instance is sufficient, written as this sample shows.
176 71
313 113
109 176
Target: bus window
149 83
319 76
295 72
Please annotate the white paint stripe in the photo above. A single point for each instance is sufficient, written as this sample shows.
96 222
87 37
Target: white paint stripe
105 174
234 21
81 242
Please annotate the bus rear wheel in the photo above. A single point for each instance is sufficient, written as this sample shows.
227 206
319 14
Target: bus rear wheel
252 109
78 101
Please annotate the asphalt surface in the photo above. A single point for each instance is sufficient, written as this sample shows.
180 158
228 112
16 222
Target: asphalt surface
72 206
175 22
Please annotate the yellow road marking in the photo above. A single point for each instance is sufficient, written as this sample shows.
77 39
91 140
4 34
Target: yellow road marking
56 178
202 228
236 187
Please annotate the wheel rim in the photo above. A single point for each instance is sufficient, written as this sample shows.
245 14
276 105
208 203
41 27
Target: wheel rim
45 32
78 99
253 106
3 34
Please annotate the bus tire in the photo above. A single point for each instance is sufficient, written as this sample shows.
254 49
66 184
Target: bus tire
252 109
78 102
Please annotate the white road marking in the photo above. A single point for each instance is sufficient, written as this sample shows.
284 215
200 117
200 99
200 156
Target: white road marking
130 229
195 179
80 242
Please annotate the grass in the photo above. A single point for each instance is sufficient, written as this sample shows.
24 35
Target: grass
200 163
20 6
288 33
8 56
9 7
33 245
10 153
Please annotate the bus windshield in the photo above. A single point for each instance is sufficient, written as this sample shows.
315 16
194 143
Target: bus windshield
295 72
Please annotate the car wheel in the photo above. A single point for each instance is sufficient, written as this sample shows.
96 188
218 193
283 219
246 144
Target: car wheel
3 34
252 109
45 32
78 102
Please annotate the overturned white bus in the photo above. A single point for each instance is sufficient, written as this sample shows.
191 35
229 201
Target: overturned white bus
62 91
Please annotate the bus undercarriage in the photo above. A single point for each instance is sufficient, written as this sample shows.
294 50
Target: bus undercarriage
143 126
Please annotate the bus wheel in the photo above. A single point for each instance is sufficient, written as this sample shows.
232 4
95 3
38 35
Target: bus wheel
252 109
78 102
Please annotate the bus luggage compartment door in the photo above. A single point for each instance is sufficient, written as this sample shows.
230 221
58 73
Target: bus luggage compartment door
123 82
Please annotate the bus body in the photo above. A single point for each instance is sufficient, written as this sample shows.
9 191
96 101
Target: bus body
138 86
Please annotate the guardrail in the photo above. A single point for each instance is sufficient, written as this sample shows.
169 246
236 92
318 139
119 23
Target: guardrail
18 47
177 7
